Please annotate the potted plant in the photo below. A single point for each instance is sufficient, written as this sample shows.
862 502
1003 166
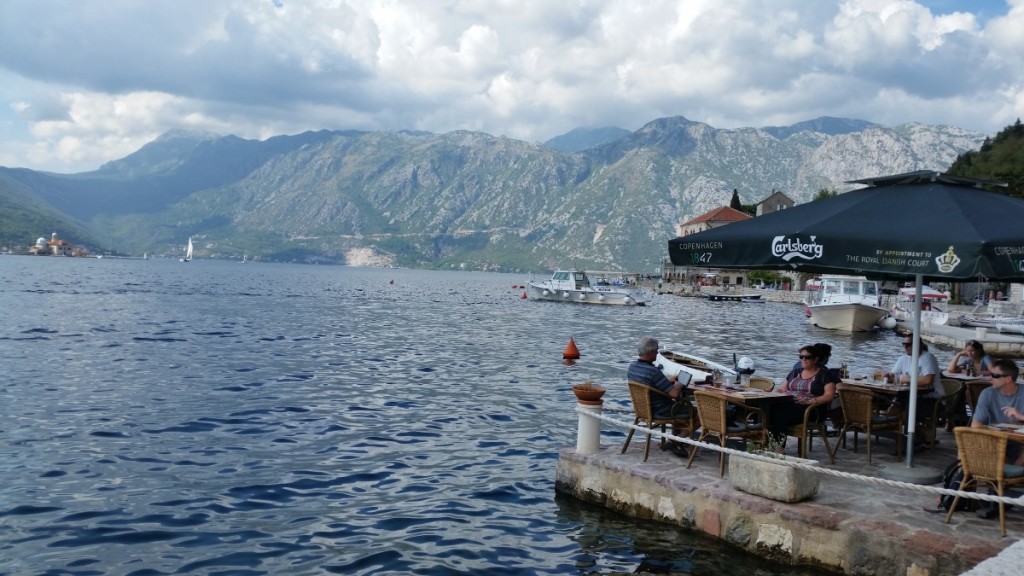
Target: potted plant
588 392
770 476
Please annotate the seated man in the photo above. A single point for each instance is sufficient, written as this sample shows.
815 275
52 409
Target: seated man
928 376
1002 403
644 371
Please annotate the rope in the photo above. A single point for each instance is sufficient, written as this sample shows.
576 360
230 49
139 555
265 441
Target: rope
1018 501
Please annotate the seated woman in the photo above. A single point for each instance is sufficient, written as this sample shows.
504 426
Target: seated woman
972 360
810 384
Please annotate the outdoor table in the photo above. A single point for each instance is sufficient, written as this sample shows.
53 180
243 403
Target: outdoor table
750 396
882 387
753 396
961 376
1014 431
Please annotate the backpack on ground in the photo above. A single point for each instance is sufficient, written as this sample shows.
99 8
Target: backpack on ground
952 477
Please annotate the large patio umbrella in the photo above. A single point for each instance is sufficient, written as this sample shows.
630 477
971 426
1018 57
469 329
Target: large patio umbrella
920 225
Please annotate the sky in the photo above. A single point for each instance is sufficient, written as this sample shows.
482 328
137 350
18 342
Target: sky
83 82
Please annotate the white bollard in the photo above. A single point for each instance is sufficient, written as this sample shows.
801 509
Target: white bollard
588 435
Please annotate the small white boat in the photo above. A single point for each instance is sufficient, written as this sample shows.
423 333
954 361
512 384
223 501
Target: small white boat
848 303
1011 328
731 297
672 362
575 286
188 251
932 303
1001 323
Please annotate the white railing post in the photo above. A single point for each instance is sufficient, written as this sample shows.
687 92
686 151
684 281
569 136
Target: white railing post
588 434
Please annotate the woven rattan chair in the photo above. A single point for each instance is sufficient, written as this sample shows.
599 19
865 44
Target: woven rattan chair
983 457
956 412
972 391
807 429
748 423
861 414
644 411
762 383
944 408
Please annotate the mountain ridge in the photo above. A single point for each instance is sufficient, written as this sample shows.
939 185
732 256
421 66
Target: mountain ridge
463 198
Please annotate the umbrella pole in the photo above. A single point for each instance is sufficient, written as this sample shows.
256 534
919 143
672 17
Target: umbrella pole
916 338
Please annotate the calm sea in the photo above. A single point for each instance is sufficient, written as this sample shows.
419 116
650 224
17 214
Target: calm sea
159 417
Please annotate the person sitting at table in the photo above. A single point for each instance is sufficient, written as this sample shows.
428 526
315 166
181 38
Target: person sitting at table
928 375
809 384
1002 403
835 411
972 357
644 371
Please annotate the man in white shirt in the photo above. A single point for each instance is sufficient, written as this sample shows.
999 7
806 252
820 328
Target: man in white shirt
928 375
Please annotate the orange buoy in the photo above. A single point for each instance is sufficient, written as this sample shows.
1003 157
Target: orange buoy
571 352
523 296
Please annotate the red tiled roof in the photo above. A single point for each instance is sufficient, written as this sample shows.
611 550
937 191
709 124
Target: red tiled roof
723 214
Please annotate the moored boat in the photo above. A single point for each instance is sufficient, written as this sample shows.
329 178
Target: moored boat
1001 323
672 362
724 297
847 303
1011 328
931 306
575 286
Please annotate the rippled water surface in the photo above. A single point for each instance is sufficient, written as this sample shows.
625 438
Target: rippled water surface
219 418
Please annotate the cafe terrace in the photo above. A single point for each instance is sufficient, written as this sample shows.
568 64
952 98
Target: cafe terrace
857 521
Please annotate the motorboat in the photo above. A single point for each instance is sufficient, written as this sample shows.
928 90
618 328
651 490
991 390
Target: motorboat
932 306
732 297
1011 328
575 286
847 303
995 322
672 362
997 315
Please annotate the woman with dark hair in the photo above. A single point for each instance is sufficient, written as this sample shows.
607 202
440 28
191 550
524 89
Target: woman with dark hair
810 384
971 360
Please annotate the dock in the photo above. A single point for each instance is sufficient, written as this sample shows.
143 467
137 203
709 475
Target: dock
865 527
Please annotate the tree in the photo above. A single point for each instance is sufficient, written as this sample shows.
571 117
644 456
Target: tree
1000 159
735 203
825 193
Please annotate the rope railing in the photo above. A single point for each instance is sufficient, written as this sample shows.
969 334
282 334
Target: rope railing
1013 501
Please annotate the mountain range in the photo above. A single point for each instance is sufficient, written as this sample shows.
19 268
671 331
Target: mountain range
600 198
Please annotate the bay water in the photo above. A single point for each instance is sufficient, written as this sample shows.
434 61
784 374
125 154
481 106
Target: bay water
213 417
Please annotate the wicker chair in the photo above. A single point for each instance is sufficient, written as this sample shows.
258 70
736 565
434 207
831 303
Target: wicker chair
762 383
983 457
860 414
973 390
944 408
641 396
807 429
748 423
956 410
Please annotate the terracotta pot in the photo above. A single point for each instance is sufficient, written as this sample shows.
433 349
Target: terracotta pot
588 394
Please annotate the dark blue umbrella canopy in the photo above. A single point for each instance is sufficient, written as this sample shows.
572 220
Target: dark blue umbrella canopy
921 223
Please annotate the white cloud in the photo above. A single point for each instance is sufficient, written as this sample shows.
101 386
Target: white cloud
87 81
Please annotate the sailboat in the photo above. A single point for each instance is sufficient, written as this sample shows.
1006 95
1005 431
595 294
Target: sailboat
243 258
188 251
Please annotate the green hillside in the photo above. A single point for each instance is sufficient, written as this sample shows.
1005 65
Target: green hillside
1000 159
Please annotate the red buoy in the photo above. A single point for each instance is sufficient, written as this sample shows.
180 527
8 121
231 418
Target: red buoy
571 352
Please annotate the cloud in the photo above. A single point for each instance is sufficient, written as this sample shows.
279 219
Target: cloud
83 81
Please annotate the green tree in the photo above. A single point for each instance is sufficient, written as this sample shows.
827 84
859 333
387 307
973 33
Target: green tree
735 203
825 193
1000 159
